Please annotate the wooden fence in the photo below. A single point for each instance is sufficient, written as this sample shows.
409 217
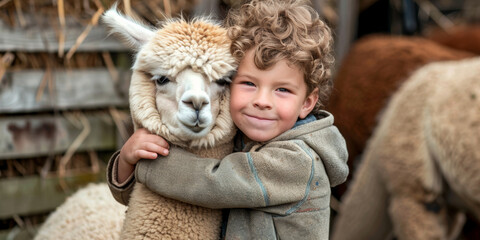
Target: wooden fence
58 124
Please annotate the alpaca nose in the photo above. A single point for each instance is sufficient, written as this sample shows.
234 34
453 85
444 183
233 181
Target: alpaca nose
196 101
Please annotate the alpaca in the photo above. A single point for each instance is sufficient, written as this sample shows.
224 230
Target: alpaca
373 69
461 37
90 213
421 168
178 91
205 52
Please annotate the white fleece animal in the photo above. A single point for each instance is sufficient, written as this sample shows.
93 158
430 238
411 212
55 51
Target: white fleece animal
421 169
90 213
179 91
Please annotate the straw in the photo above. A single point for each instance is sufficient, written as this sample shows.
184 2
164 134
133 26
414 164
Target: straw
73 147
5 62
61 37
157 11
118 117
43 83
18 8
107 58
167 7
84 34
94 161
3 2
437 16
128 7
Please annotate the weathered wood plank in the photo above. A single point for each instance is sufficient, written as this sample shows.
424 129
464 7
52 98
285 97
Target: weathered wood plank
73 89
36 39
346 28
34 195
40 135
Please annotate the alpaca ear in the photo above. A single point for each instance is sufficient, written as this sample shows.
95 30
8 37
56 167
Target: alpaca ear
132 32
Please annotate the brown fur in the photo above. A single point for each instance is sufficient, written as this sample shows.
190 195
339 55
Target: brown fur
462 37
424 150
374 68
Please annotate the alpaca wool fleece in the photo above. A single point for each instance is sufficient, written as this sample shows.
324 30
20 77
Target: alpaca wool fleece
423 152
90 213
166 213
372 71
195 53
460 37
150 216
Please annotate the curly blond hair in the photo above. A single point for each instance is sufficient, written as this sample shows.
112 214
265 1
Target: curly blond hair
285 29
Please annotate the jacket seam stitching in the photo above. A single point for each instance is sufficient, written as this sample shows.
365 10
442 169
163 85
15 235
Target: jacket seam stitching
257 179
307 189
315 210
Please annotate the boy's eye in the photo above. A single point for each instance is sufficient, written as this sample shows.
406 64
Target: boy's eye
283 90
248 83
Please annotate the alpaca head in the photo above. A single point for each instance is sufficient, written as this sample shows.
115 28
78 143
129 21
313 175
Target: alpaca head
179 87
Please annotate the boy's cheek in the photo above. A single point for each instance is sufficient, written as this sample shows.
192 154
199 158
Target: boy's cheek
236 99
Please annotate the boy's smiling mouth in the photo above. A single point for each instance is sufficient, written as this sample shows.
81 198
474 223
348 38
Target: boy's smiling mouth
259 121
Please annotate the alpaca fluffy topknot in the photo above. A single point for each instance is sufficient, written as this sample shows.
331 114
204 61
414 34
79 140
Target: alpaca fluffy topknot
179 44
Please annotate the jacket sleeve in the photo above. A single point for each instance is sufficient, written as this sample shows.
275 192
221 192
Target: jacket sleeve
277 173
120 191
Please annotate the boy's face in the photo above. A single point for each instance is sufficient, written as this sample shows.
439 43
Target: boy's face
266 103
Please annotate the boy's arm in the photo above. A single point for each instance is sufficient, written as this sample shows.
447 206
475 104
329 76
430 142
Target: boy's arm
120 191
279 173
120 177
140 145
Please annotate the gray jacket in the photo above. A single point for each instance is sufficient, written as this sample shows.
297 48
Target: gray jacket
278 189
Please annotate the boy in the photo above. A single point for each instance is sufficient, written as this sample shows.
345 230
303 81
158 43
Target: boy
277 183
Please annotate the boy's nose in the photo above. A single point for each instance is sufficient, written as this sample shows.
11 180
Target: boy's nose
262 101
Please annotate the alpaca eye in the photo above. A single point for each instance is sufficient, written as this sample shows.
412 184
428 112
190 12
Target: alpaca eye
223 81
160 80
227 79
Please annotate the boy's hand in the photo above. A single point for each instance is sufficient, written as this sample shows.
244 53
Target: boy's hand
141 145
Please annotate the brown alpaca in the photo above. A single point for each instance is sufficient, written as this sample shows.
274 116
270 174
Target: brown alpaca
462 37
374 68
422 164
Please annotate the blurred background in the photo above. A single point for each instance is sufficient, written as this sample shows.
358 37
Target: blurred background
64 85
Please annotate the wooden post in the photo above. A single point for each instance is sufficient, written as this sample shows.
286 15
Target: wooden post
346 29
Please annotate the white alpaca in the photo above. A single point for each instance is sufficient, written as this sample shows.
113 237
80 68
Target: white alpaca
178 91
421 168
90 213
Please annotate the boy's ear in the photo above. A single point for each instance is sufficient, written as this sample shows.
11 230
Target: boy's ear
132 32
309 103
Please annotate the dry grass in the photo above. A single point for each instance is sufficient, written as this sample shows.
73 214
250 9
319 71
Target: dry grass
57 15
